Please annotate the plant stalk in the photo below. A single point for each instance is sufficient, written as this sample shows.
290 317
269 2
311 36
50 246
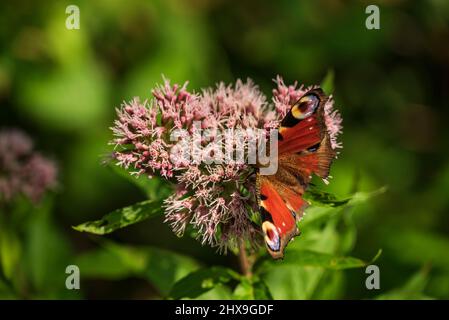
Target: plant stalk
245 263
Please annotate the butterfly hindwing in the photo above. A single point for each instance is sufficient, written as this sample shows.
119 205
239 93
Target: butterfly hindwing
279 225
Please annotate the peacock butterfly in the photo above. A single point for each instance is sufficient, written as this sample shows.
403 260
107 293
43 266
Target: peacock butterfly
304 148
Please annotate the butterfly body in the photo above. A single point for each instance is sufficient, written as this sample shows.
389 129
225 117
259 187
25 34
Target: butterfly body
304 148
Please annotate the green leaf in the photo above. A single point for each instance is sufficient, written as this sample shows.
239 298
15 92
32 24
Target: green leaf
154 188
438 284
302 275
220 292
328 82
330 286
252 289
320 198
47 253
244 290
41 100
411 290
417 247
165 268
315 215
307 258
291 282
361 197
6 292
122 218
261 291
114 261
10 252
201 281
324 199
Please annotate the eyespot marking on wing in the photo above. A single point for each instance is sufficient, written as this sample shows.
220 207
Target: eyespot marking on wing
272 237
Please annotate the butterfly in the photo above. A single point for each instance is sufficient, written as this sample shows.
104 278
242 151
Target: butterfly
304 148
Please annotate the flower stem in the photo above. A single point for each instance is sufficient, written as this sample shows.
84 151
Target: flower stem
245 263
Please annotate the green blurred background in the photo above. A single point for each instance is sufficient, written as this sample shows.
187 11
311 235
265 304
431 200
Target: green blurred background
391 85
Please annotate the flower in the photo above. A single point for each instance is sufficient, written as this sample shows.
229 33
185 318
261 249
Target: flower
22 170
216 199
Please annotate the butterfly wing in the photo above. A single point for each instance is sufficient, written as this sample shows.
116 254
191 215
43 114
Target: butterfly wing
279 206
303 148
303 126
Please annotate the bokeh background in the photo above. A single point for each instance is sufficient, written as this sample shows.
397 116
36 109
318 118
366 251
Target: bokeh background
391 85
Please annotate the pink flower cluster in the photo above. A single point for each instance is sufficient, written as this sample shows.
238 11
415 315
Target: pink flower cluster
217 200
22 170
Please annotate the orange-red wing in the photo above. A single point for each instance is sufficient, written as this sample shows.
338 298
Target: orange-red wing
303 149
294 201
318 161
302 136
279 224
302 126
